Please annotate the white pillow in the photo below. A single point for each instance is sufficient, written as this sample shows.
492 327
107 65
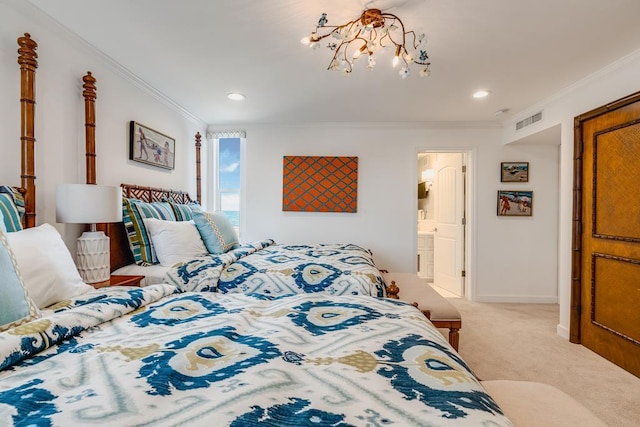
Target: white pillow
47 268
175 241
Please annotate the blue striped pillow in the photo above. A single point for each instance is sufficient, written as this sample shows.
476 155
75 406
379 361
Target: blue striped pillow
12 208
183 212
133 213
15 305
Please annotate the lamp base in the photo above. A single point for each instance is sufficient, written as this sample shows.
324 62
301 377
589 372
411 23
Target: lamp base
93 257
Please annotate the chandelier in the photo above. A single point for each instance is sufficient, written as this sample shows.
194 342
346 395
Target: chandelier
370 32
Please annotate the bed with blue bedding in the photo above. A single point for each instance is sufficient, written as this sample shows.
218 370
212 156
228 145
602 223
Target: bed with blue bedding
156 356
202 252
275 269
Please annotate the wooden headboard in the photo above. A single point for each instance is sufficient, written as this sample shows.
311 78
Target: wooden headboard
120 253
27 58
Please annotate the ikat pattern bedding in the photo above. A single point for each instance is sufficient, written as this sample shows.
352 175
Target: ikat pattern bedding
274 269
156 357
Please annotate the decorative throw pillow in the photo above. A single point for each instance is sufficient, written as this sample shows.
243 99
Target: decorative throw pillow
175 241
133 213
182 212
12 208
47 268
216 231
15 305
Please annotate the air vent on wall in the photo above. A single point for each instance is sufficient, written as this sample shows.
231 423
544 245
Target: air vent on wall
529 121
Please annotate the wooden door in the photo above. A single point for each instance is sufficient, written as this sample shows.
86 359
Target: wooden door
605 312
448 241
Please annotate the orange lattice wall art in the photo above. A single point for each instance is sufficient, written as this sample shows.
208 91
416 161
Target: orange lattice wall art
320 184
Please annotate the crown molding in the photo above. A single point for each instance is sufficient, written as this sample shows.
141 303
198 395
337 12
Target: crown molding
442 125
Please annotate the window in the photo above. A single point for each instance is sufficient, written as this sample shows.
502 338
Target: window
226 188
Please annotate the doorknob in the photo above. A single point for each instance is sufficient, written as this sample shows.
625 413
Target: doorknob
435 229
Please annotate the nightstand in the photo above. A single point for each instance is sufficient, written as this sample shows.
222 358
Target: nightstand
435 307
119 281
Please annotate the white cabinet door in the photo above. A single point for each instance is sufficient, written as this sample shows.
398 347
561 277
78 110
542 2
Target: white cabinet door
422 255
428 258
425 256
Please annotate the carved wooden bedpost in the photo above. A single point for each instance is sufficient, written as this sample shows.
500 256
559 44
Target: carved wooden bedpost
198 179
27 58
89 94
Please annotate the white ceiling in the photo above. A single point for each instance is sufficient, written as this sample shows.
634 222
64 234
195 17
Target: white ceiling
196 51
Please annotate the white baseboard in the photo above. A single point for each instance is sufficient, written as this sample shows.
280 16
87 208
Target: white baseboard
562 331
521 299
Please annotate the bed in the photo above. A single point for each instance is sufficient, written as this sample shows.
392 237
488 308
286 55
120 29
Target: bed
164 356
226 265
264 266
149 356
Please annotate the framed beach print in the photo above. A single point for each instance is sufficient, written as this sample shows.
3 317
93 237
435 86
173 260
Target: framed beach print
515 203
151 147
514 172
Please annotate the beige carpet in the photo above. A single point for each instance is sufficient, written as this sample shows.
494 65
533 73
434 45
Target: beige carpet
519 342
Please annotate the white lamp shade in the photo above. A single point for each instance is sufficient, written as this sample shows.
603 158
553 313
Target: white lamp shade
88 203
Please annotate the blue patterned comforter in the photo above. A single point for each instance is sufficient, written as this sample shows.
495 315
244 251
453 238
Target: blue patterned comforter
152 357
273 269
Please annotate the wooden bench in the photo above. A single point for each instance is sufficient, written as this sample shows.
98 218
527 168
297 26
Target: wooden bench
437 309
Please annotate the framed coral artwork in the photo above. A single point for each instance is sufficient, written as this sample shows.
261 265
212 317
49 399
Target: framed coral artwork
320 184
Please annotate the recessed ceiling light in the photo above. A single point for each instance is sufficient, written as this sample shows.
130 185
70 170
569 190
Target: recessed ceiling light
236 96
481 93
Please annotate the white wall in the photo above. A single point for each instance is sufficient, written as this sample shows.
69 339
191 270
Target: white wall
613 82
509 251
60 135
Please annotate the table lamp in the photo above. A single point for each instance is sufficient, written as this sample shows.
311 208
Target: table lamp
90 204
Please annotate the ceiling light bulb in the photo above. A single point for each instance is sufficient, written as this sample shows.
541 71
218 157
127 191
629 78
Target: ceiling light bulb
235 96
481 94
310 39
396 58
358 52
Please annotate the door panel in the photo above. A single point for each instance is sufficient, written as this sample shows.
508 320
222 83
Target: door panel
606 288
615 280
449 231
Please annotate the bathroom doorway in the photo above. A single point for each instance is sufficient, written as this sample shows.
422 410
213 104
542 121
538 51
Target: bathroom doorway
442 223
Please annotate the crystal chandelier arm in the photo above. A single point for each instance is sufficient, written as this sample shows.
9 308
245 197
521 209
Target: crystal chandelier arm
344 55
344 44
335 28
333 64
413 34
388 34
404 40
